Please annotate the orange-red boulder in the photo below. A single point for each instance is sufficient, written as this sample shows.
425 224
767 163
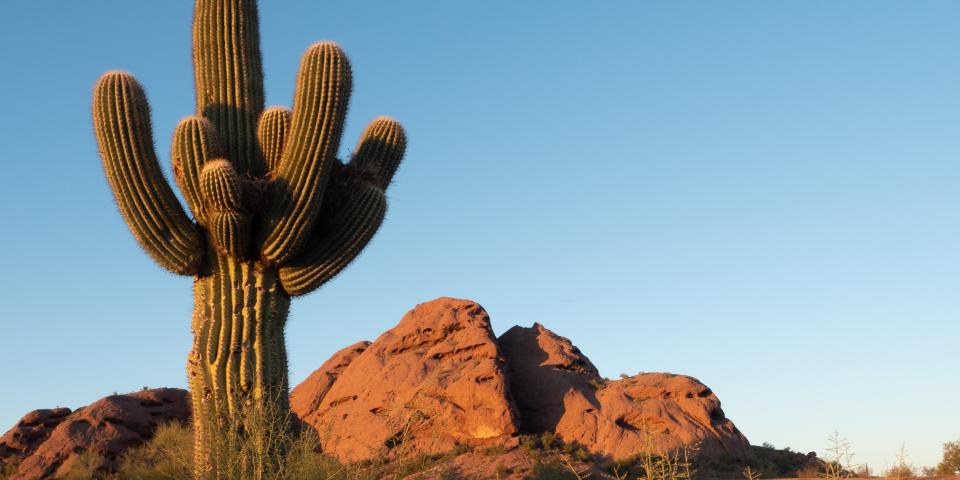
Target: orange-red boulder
31 431
306 397
437 380
558 389
658 412
106 428
549 376
434 381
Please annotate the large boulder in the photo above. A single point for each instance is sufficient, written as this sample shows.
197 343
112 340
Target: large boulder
106 428
306 397
435 381
557 389
29 433
549 376
658 412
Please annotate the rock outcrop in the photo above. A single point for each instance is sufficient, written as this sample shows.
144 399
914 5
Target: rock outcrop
106 428
29 433
557 389
435 381
306 397
661 412
438 380
549 377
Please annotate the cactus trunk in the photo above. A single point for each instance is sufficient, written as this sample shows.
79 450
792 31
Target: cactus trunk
275 214
238 365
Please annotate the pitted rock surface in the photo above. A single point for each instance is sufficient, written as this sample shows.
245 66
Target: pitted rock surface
434 381
557 389
437 380
306 397
658 412
31 431
107 428
549 376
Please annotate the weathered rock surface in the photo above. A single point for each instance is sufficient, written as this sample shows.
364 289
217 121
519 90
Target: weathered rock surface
106 427
438 380
557 389
549 376
661 412
306 397
31 431
434 381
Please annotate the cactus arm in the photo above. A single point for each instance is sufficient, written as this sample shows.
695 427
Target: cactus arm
229 76
121 117
319 109
380 150
337 244
272 132
194 143
222 193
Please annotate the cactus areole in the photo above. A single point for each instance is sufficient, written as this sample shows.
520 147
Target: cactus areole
275 214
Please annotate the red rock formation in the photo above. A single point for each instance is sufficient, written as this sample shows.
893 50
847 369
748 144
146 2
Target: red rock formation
306 397
549 376
558 389
434 381
437 380
658 412
106 427
31 431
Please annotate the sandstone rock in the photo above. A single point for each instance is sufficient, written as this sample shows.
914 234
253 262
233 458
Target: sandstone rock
106 428
437 380
558 389
658 412
549 376
434 381
31 431
306 397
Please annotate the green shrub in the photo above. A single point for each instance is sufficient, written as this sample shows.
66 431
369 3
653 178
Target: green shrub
547 439
950 464
551 471
529 444
8 469
495 450
168 455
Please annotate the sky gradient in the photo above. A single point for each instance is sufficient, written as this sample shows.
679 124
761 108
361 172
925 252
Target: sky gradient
759 194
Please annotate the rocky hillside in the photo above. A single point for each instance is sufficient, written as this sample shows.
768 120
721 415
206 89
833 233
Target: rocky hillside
439 381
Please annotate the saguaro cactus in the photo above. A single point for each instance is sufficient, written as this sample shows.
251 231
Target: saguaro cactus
274 213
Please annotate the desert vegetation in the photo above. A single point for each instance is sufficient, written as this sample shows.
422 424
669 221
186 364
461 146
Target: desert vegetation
438 396
169 455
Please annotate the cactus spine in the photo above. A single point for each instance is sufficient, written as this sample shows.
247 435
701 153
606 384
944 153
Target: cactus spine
274 213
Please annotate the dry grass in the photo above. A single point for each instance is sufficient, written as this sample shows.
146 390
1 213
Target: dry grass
169 456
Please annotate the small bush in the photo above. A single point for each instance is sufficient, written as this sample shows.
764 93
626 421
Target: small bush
598 384
529 444
950 464
86 466
8 469
495 450
547 439
168 455
551 471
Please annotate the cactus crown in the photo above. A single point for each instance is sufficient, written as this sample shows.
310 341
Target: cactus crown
262 185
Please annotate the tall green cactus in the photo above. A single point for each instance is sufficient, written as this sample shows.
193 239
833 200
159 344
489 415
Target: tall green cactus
274 213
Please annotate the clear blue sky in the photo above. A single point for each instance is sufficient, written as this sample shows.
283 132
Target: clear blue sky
763 195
